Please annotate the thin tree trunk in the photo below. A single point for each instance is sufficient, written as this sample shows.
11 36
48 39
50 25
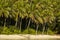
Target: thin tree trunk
37 29
16 22
43 29
47 30
20 24
28 25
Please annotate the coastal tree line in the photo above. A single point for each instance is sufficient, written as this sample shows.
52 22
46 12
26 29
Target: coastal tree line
30 16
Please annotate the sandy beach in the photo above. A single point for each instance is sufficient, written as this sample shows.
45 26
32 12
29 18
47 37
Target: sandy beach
29 36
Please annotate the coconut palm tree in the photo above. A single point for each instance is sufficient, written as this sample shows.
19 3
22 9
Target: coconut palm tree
4 10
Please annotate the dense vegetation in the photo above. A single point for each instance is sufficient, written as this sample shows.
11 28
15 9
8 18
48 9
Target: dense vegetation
30 16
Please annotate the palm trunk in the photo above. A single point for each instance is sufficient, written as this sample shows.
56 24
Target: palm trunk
43 29
28 25
20 24
47 31
16 24
37 30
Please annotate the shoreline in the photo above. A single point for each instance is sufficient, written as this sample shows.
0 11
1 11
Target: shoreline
23 36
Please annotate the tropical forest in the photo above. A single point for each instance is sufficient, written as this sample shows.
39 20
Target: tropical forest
30 17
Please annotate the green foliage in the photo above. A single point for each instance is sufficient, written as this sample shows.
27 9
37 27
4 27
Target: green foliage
31 31
5 30
11 30
50 32
14 30
39 11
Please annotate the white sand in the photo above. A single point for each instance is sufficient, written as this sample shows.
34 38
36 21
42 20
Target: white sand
28 36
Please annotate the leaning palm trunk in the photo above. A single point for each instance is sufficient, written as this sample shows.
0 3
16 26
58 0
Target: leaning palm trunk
47 30
16 21
37 29
16 24
28 25
43 29
20 24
